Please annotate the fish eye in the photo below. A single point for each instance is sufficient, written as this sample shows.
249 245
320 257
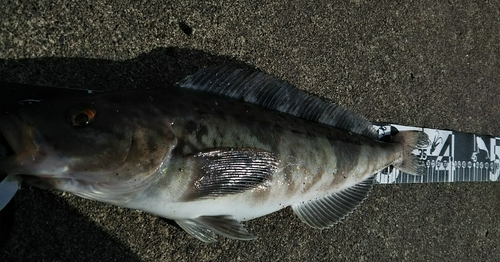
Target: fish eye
81 116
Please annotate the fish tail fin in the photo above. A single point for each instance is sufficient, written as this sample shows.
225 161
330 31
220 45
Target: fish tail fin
411 140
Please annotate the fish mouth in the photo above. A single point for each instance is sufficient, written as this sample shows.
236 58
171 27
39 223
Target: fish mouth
21 146
5 151
23 151
10 135
45 182
9 141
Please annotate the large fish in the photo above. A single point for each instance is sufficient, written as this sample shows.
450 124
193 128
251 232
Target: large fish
227 145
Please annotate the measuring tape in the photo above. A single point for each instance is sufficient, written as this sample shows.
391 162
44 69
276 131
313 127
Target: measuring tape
450 157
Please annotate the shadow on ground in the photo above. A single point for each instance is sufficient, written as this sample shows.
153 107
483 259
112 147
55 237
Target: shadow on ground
46 228
159 68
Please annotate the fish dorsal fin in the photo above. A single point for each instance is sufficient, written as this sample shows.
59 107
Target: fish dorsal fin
264 90
230 171
326 211
205 228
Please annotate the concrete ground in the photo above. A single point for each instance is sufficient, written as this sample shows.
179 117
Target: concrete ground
420 63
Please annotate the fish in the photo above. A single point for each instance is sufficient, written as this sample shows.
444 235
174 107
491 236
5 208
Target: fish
223 146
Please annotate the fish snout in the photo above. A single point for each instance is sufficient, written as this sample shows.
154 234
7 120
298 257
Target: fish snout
22 145
10 131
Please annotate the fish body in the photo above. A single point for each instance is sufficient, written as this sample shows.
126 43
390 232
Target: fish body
303 160
226 146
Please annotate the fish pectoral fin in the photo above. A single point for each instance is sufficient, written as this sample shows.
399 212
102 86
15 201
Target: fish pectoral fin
231 171
205 228
328 210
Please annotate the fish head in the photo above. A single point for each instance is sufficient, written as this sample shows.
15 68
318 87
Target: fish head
105 147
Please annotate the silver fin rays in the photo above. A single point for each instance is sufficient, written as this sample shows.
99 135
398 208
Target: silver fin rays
205 228
327 211
231 171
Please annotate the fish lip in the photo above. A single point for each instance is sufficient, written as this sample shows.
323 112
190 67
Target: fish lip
28 146
42 181
11 130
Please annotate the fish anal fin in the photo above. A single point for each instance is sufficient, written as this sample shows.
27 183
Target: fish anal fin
328 210
230 171
204 228
198 231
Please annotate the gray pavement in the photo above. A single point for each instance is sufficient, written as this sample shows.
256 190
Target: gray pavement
421 63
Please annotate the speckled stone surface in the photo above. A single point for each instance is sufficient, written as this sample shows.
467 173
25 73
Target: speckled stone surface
417 63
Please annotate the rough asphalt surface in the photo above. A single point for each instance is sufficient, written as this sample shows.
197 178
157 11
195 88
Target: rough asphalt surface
419 63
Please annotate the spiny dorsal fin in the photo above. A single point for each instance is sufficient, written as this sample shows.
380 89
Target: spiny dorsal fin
230 171
261 89
326 211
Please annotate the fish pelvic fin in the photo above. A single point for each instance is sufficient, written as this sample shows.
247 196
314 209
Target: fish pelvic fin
327 211
205 228
411 140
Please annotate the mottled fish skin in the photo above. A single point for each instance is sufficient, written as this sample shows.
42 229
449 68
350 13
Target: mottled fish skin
314 159
203 160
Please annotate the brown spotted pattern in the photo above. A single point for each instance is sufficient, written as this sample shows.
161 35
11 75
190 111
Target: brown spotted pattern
314 159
